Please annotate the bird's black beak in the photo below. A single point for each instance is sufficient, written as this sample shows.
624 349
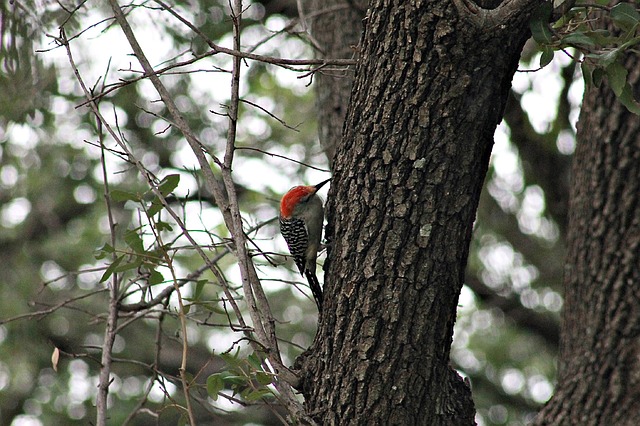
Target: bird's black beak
321 184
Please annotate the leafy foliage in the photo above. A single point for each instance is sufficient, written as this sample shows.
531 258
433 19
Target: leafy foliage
601 48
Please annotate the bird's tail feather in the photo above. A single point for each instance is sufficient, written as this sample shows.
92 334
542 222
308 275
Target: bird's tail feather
316 290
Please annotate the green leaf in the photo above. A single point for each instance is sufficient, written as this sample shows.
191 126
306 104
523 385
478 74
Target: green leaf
546 57
184 420
630 41
257 394
539 24
168 184
626 99
104 251
163 226
625 16
235 380
579 38
199 287
111 268
134 241
605 59
264 378
617 76
597 76
154 208
118 195
155 277
135 263
602 37
215 383
255 361
231 359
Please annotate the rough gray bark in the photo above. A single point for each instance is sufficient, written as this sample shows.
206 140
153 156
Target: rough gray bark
598 366
429 91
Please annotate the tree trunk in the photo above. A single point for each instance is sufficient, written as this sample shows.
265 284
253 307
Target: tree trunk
336 28
599 364
429 90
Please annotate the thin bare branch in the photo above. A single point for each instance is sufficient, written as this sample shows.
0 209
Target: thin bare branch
51 309
183 324
112 316
261 58
249 148
270 114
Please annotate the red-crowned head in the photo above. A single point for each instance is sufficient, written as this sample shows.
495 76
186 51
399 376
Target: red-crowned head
295 195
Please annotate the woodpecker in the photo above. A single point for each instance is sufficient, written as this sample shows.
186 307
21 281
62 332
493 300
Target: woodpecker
301 217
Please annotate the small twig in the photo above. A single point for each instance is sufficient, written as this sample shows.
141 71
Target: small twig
45 284
51 309
183 323
270 115
246 55
531 70
144 75
248 148
112 318
311 73
154 369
